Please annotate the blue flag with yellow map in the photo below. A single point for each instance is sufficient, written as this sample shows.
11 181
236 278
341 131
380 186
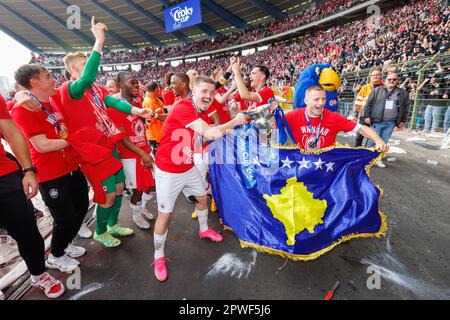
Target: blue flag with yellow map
291 202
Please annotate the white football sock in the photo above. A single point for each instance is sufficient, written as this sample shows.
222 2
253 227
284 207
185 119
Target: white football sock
202 219
136 208
146 198
160 241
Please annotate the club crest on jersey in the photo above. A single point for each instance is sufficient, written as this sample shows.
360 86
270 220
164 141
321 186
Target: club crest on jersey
139 128
53 193
333 102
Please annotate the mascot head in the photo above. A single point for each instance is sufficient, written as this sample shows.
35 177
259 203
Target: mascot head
318 75
329 80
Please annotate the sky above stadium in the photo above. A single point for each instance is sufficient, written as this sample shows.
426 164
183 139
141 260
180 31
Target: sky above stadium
12 56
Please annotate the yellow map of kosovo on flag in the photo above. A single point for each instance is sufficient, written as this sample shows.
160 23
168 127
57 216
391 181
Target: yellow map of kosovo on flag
296 208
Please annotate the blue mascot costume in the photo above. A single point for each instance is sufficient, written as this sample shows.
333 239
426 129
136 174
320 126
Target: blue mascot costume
318 75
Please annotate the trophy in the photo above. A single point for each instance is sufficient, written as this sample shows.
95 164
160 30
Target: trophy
262 117
272 125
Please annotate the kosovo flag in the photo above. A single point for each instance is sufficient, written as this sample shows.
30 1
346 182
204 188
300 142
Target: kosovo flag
291 202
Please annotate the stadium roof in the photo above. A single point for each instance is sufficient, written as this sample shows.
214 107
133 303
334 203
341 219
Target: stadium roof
41 24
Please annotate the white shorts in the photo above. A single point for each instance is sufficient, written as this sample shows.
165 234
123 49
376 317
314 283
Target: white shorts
129 169
169 185
137 176
201 163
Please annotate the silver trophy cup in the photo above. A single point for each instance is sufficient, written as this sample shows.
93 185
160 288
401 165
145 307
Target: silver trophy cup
262 117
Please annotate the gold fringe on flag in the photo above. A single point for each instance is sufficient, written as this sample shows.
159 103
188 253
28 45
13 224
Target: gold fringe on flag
307 257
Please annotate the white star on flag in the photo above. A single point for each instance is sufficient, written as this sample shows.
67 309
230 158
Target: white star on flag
304 163
287 163
329 166
319 164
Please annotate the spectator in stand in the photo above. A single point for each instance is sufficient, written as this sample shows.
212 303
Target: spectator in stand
291 21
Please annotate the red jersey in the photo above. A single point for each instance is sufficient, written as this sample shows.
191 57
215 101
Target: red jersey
265 93
89 111
203 115
6 165
169 97
332 123
241 103
49 165
134 130
176 149
178 98
11 104
207 114
222 108
92 134
200 143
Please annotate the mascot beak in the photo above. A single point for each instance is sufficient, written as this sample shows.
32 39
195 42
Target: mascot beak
329 80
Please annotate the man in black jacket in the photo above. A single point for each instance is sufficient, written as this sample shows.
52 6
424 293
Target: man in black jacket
386 108
16 214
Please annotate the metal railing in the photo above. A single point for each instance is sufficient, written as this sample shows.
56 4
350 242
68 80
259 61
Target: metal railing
429 106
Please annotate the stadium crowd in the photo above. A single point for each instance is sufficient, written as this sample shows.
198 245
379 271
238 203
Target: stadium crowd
255 33
415 30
